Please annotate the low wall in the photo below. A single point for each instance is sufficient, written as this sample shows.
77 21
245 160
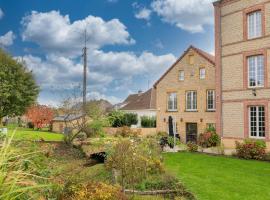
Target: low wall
144 131
229 143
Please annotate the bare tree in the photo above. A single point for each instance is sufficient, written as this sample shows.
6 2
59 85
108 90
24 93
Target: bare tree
75 118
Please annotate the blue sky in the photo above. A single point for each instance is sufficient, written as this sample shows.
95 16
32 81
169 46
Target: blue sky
130 43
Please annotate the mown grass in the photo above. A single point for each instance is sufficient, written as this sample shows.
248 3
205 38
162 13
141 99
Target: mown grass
214 177
34 135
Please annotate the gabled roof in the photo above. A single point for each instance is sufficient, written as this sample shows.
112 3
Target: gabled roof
140 101
202 53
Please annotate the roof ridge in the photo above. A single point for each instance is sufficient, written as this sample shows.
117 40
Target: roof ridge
202 53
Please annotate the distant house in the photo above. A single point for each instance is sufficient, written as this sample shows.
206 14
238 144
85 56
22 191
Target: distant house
142 104
63 123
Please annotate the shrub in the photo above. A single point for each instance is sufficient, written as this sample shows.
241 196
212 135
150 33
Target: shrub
127 132
192 147
116 118
170 141
158 182
148 122
130 119
133 161
162 138
162 134
165 139
251 149
94 191
95 127
209 139
120 119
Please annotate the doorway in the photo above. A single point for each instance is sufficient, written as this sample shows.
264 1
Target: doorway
191 132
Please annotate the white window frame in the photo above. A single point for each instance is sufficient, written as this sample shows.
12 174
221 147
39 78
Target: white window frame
214 100
257 70
193 101
254 24
181 75
172 97
202 73
257 122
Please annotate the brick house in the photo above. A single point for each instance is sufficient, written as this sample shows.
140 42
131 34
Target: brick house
186 95
242 45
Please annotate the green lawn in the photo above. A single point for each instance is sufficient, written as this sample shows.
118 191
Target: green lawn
30 134
221 178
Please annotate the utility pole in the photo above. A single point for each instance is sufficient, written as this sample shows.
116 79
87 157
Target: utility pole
84 71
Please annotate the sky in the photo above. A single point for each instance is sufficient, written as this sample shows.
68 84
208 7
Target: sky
130 43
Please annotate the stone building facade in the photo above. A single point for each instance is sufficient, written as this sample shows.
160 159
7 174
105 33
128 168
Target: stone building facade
242 45
186 95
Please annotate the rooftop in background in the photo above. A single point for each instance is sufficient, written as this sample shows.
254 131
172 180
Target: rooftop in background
69 117
140 101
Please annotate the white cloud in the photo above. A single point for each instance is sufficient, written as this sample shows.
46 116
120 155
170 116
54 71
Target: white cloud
55 33
61 69
59 73
56 72
143 13
112 70
190 15
7 39
1 13
129 64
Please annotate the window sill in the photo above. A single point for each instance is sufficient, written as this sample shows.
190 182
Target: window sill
191 110
171 111
255 38
256 87
257 138
210 111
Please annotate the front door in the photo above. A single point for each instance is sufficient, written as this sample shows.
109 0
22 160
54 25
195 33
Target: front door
191 132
